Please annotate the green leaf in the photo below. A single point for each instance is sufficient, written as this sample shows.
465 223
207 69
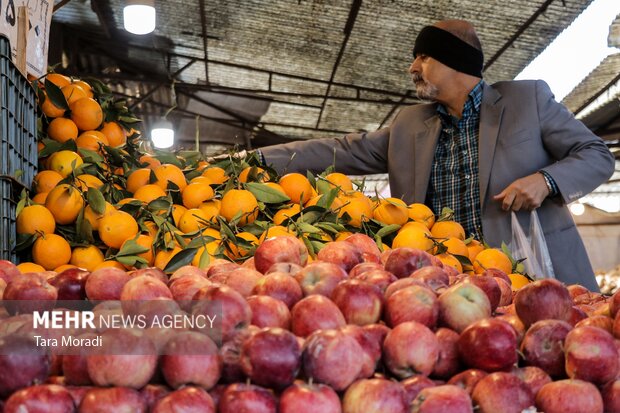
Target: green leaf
307 228
129 119
310 217
131 260
205 259
55 95
25 241
328 198
131 248
90 156
96 200
168 157
386 230
181 259
161 203
20 206
317 245
323 187
309 246
266 194
465 261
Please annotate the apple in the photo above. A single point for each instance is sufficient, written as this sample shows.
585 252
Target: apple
219 267
184 288
368 343
380 278
269 312
144 287
534 377
410 348
285 267
230 353
29 292
440 399
242 280
159 274
363 267
403 261
320 278
601 321
489 344
577 315
461 305
614 304
240 397
74 365
185 271
216 393
468 379
435 278
368 246
151 393
497 273
43 398
313 313
77 393
542 300
377 332
8 271
229 307
332 357
414 385
70 284
490 286
570 396
502 392
106 284
127 358
374 396
506 292
344 254
309 398
249 263
280 249
113 399
401 283
611 396
22 363
360 302
281 286
591 355
516 324
259 361
543 346
187 399
448 362
576 290
413 303
191 358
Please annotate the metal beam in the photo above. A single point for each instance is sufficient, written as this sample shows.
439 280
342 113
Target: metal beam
203 19
58 5
150 93
615 80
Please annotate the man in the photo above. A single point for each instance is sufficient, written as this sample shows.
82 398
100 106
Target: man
482 150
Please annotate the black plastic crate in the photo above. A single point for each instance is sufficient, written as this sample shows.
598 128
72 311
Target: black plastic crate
18 142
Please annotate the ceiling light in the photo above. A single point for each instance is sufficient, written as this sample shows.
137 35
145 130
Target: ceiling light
139 16
162 134
577 208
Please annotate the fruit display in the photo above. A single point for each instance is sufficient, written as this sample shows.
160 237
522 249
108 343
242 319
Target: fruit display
312 296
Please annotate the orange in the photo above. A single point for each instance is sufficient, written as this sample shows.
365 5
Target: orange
111 264
85 87
85 181
196 193
116 227
359 209
211 232
147 242
45 181
115 134
150 228
343 235
72 93
413 237
210 248
137 179
163 257
336 203
258 175
58 79
211 209
93 218
50 110
64 162
297 187
275 186
91 140
25 267
518 281
216 174
62 130
148 193
275 231
40 198
447 229
35 219
65 203
51 251
336 179
413 224
86 113
177 213
170 173
239 202
200 180
450 260
421 213
87 257
238 252
285 213
63 267
456 247
492 258
474 247
391 211
192 220
151 162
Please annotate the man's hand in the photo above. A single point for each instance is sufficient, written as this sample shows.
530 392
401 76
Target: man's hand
524 193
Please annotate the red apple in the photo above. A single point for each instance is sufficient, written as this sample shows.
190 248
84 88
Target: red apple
151 393
448 362
414 385
74 365
239 397
611 396
127 358
229 308
542 300
309 398
158 273
112 399
410 348
497 273
374 396
379 278
363 267
71 283
463 304
506 290
77 393
106 284
280 249
490 286
281 286
502 392
468 379
242 280
489 345
569 396
361 303
29 292
269 312
313 313
440 399
368 343
377 332
576 290
187 399
8 271
271 358
601 321
368 246
285 267
43 398
403 261
191 358
401 283
332 357
216 393
516 324
184 288
185 271
533 377
320 278
219 267
413 303
144 287
543 346
435 278
344 254
230 353
614 304
591 355
577 314
22 363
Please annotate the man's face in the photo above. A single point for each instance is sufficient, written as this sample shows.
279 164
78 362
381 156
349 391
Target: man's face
428 75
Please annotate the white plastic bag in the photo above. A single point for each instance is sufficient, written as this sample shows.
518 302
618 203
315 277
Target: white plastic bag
533 248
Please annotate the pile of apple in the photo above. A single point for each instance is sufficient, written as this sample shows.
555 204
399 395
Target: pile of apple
354 331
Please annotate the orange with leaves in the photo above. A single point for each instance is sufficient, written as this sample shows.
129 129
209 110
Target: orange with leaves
85 87
137 179
25 267
163 257
391 211
192 220
338 180
35 219
196 193
421 213
65 203
285 213
215 174
239 202
85 181
451 261
148 193
239 251
447 229
117 227
73 92
145 241
62 130
45 181
297 187
88 257
150 161
51 251
49 109
170 173
86 113
492 258
358 208
58 79
253 174
64 162
413 237
93 218
211 209
518 281
114 133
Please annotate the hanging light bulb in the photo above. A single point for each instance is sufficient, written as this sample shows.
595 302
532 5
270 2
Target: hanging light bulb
162 134
139 16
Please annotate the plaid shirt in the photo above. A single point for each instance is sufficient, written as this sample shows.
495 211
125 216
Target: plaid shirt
454 181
